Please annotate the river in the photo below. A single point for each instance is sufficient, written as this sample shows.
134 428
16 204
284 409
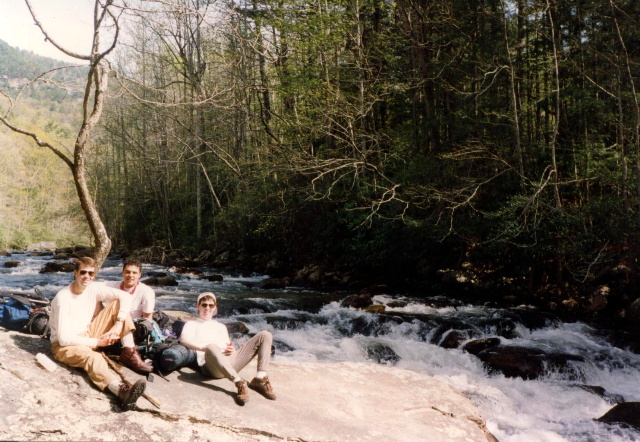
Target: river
311 326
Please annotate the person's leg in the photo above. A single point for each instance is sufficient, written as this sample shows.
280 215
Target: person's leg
90 361
259 345
105 320
218 365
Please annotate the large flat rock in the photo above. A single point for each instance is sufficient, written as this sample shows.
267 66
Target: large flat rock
316 402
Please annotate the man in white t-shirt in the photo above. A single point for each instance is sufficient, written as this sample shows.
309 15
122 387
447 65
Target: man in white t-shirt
218 358
143 298
76 335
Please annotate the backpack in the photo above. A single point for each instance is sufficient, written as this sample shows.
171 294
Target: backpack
147 336
14 314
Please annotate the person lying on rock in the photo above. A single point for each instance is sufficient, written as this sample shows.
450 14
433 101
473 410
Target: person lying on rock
217 356
76 334
143 298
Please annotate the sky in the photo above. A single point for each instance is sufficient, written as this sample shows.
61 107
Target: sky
69 23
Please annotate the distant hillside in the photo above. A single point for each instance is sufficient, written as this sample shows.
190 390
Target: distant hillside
38 201
18 67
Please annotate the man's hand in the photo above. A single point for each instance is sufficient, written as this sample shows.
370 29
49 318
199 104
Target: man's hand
107 339
230 349
112 336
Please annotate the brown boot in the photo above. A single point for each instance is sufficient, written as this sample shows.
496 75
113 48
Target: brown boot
243 392
129 394
263 386
131 358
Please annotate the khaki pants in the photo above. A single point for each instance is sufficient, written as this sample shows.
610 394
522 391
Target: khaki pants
218 365
88 359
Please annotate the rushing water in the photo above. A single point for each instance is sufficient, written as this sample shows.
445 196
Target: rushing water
312 326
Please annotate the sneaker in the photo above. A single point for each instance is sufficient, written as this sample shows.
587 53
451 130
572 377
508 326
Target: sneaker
129 394
243 393
263 386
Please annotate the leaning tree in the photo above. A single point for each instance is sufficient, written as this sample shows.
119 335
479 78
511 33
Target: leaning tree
106 14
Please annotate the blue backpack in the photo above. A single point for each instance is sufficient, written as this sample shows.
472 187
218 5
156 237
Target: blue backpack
14 315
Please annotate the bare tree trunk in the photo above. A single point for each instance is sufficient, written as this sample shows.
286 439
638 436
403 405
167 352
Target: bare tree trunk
93 102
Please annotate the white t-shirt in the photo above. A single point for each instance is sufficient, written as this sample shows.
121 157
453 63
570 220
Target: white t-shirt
71 314
201 333
143 299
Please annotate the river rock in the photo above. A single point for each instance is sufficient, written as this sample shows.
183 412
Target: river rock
161 281
627 413
11 264
382 353
359 301
316 401
477 345
57 266
4 253
213 278
524 362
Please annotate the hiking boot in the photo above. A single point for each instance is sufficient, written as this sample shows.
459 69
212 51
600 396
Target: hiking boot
263 386
129 394
131 358
243 392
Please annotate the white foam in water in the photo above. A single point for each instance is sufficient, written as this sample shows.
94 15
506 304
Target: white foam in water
551 409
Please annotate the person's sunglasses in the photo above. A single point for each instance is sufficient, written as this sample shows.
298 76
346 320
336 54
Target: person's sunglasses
84 272
206 305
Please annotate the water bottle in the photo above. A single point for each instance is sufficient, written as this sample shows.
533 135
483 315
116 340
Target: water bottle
46 362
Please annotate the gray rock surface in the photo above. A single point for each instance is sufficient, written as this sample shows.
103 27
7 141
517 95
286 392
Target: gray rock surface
316 402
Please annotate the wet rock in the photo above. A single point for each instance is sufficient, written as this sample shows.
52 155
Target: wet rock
358 301
370 325
526 363
502 326
35 254
600 391
222 260
213 278
381 353
453 339
449 324
627 413
161 281
81 252
476 346
237 328
273 283
11 264
61 256
288 323
379 308
56 266
4 253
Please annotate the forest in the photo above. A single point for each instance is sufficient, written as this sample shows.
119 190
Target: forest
393 138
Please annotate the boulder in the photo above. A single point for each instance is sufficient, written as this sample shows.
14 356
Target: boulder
476 346
11 264
160 281
524 362
316 401
627 413
382 353
57 266
213 278
4 253
358 301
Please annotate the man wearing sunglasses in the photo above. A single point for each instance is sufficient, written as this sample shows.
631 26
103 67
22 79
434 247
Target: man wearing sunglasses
218 358
76 334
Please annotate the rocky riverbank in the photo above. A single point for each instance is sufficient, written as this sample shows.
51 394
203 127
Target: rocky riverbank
320 402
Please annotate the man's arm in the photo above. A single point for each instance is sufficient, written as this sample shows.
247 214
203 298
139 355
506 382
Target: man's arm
148 302
63 321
